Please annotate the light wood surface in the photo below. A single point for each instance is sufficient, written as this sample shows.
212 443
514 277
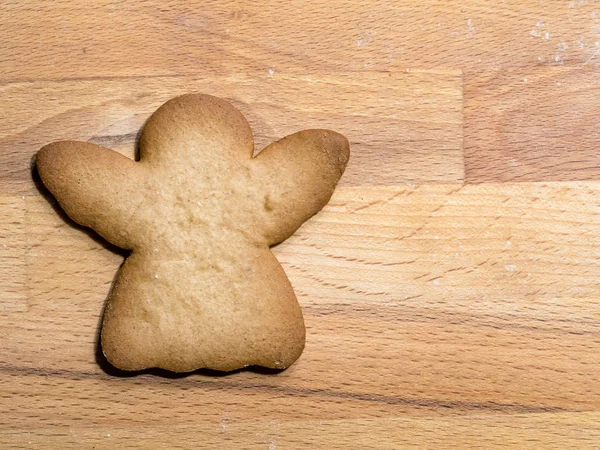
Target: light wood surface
450 288
403 127
532 124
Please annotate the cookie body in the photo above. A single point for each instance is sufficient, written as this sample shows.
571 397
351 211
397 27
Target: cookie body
201 288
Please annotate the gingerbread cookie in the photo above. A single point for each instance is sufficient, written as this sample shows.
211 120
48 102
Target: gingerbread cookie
201 288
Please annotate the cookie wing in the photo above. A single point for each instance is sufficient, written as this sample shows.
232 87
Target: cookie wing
97 187
300 173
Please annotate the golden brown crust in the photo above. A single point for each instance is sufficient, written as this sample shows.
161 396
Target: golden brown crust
309 162
97 187
201 287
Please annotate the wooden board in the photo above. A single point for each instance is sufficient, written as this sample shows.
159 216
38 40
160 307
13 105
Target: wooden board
473 300
488 41
533 123
73 39
13 264
440 315
403 127
523 431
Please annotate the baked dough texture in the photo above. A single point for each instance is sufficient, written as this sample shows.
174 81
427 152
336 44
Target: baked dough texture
200 288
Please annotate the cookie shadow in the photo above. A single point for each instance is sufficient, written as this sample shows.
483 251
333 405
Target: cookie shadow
111 370
101 360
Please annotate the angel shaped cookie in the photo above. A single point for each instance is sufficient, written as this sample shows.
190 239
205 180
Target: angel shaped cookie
200 288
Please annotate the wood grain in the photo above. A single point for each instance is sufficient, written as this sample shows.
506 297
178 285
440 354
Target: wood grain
524 431
531 124
403 127
73 39
438 315
474 300
13 284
